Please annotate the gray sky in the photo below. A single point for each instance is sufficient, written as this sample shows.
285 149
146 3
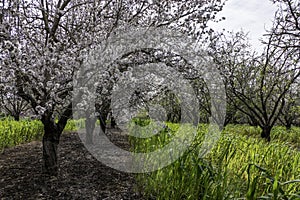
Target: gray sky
252 16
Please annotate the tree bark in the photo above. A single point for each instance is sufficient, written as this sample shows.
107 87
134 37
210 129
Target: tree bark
89 127
102 118
288 121
288 126
50 145
52 133
266 133
16 117
113 122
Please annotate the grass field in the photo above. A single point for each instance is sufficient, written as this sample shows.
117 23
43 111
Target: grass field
240 166
16 132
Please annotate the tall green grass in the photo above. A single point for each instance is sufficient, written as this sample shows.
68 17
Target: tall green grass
238 167
74 125
16 132
279 133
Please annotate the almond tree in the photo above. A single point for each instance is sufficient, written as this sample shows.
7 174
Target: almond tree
50 39
286 35
11 104
256 84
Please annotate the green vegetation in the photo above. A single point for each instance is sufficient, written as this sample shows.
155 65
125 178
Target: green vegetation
73 125
279 134
238 167
16 132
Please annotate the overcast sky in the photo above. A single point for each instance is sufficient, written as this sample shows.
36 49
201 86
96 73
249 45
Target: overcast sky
252 16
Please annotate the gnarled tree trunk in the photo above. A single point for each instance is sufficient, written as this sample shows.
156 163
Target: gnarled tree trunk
50 145
52 133
266 133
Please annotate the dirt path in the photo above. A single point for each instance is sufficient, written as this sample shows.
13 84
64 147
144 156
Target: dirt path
81 176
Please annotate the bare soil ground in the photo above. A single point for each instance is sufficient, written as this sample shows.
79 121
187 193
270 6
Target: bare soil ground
80 177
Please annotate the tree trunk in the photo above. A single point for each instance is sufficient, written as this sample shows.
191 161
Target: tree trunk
288 126
16 117
50 165
266 133
288 121
102 118
113 122
52 133
50 144
89 127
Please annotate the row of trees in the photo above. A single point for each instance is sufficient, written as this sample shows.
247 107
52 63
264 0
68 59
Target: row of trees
44 43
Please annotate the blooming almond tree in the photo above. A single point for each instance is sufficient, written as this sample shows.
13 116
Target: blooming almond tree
49 40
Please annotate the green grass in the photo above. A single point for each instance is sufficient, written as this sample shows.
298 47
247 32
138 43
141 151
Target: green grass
279 133
16 132
73 125
240 166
